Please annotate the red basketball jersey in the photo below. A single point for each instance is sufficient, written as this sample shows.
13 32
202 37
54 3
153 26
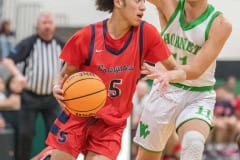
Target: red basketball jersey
116 62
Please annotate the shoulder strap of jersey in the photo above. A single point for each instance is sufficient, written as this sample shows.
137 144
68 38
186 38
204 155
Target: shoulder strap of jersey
90 53
141 42
214 16
180 5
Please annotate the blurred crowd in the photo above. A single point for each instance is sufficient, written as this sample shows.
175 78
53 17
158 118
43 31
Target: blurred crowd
9 92
10 89
27 72
224 143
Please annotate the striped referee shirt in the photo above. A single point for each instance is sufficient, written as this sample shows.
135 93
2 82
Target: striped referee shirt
41 63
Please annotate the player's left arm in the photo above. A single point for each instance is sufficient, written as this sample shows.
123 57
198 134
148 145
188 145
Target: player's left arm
171 72
218 35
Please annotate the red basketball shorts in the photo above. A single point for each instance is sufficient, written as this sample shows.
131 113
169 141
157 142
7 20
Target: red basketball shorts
76 135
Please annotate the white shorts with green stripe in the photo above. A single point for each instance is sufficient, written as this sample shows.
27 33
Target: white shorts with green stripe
162 115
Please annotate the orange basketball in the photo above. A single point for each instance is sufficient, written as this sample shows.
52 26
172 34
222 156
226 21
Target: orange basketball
84 94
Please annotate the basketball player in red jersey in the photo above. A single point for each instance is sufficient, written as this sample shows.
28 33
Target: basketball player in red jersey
114 49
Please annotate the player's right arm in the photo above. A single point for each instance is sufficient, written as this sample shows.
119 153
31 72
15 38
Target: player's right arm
66 71
73 56
165 9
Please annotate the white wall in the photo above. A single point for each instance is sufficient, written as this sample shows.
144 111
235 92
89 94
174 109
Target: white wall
81 12
231 10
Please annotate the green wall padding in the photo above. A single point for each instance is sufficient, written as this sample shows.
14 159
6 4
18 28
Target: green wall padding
40 136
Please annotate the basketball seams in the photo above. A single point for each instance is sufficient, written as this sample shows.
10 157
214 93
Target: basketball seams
85 95
87 110
76 82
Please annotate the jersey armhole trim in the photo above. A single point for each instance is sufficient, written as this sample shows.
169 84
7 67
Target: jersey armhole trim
173 16
215 15
187 26
141 43
90 53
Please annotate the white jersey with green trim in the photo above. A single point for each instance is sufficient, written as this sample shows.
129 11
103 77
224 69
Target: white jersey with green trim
186 39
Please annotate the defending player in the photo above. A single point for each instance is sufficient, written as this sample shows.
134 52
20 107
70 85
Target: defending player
114 49
195 33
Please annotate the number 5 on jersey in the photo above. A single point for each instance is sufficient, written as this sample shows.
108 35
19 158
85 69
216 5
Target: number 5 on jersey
114 91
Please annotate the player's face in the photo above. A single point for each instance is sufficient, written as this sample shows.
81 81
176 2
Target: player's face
46 25
133 11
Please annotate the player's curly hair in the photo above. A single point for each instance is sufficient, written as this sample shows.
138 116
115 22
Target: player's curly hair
105 5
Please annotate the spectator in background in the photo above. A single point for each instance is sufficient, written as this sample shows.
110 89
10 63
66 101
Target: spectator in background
227 125
12 95
10 106
7 38
223 115
39 53
231 84
2 97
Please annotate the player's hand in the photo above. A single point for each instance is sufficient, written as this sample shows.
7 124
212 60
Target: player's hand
163 80
159 75
58 91
146 69
151 72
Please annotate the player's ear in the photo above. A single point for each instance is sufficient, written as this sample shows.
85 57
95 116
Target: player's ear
119 3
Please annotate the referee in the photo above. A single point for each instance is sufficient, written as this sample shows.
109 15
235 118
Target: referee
39 54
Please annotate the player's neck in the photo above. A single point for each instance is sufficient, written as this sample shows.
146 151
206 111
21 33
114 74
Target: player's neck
194 9
117 27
